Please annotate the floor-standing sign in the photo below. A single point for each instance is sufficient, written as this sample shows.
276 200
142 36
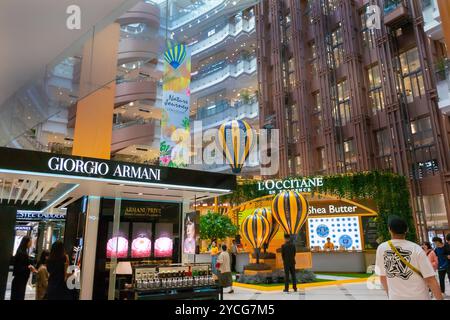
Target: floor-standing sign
174 146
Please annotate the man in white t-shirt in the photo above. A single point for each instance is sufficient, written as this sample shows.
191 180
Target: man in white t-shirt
404 269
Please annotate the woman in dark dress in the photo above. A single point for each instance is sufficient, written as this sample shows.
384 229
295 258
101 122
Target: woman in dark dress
57 264
21 271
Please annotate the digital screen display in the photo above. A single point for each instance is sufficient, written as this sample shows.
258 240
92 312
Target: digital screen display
344 232
141 246
117 245
164 240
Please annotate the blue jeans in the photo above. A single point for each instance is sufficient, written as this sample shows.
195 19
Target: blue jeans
213 264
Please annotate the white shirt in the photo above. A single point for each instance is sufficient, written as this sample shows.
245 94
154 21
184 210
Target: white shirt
224 260
404 283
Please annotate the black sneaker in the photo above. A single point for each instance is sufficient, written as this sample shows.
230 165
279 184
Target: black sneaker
295 289
286 290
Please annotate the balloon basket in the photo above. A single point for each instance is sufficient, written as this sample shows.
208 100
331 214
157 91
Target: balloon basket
265 255
258 267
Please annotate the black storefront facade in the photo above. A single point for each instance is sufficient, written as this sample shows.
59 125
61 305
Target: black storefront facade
134 210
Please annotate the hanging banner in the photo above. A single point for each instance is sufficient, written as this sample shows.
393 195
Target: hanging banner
175 126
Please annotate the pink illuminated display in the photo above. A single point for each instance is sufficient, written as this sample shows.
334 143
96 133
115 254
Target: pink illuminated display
141 247
163 247
117 247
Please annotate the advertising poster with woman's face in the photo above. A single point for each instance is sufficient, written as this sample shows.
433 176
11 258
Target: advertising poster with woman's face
190 232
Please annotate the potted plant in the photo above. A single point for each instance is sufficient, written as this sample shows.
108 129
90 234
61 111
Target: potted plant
441 69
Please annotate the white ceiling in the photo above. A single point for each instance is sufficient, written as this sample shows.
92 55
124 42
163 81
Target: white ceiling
33 33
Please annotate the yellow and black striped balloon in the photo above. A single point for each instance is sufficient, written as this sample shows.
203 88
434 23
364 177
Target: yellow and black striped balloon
290 209
236 140
256 229
274 226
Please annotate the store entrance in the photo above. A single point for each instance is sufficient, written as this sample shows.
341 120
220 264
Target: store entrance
138 218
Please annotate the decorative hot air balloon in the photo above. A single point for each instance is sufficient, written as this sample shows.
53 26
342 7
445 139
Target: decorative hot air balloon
236 141
175 55
290 209
274 226
256 229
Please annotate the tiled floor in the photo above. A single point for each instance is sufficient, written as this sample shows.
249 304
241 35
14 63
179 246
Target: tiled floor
351 291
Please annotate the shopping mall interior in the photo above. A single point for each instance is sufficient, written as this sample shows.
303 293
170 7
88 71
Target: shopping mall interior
100 101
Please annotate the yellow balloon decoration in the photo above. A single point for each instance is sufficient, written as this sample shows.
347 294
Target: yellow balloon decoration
236 140
290 210
274 226
256 229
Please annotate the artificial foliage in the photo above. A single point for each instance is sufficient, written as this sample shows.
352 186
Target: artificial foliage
214 225
389 191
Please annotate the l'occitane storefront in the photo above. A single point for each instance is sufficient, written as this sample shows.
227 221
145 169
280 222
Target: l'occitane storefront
349 225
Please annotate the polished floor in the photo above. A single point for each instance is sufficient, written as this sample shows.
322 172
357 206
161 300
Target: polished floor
351 291
347 291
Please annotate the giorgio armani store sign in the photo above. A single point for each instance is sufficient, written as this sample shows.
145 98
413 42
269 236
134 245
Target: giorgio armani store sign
115 214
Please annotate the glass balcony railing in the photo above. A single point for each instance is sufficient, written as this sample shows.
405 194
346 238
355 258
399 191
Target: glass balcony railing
181 16
54 90
391 5
220 33
247 66
222 111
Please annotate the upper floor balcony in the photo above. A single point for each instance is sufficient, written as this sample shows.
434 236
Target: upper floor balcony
215 37
181 16
443 85
223 111
432 19
221 72
188 16
395 11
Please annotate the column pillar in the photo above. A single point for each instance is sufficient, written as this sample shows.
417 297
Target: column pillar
89 250
94 115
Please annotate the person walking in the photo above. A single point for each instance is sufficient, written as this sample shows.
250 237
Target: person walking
234 252
442 253
404 269
22 269
42 276
426 246
288 254
224 268
57 265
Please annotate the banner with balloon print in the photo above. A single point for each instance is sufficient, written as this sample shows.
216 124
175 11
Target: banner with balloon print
175 123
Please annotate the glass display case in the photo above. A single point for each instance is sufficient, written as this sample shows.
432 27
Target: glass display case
176 281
